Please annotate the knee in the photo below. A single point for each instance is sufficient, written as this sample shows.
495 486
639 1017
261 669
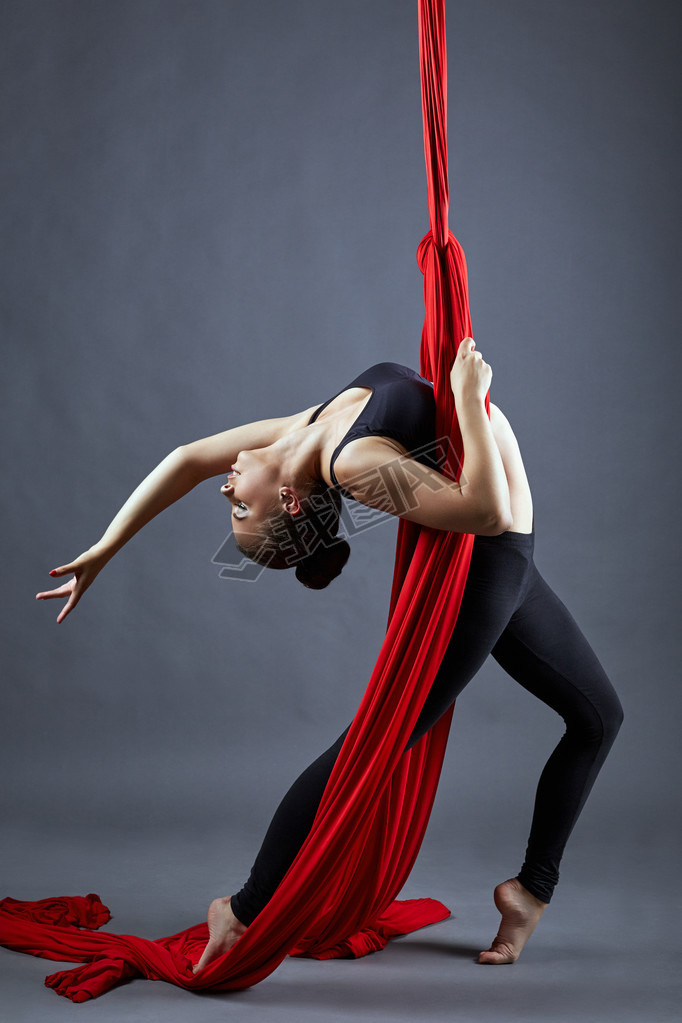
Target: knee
612 719
597 723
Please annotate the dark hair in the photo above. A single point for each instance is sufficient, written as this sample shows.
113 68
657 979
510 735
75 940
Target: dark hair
307 540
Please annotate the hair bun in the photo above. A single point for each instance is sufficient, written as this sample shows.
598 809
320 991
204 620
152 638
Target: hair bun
319 568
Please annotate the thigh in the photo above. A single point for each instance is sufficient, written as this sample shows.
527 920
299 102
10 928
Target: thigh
496 580
544 649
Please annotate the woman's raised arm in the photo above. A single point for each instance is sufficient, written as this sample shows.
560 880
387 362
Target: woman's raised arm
168 482
479 503
178 473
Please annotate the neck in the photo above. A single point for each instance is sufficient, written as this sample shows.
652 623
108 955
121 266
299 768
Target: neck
299 453
306 447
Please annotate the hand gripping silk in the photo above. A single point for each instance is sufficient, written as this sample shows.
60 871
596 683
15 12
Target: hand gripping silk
339 896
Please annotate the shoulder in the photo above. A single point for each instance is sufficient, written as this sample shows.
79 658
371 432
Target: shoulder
214 455
508 446
497 415
502 429
303 418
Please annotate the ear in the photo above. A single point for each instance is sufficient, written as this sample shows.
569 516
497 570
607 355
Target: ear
289 501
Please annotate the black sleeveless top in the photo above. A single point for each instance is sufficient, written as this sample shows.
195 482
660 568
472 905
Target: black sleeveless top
402 406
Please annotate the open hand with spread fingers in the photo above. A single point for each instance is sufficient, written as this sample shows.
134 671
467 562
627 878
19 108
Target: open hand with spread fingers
85 569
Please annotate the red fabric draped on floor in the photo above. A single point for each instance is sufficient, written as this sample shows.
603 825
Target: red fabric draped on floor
339 895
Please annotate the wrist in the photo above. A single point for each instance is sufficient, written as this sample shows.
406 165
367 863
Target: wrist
104 549
470 406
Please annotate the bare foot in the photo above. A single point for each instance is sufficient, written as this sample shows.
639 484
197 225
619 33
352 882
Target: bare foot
224 931
520 913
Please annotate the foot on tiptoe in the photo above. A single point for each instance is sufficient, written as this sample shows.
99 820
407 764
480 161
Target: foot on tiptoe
224 931
520 914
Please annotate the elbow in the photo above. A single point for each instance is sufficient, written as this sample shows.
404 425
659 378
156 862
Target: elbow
495 521
183 462
179 456
503 523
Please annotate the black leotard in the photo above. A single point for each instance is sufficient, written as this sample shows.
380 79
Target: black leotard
402 406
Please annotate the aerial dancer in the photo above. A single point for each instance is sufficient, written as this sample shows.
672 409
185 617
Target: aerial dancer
431 449
285 477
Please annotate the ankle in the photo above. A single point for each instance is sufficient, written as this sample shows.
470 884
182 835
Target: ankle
528 895
236 922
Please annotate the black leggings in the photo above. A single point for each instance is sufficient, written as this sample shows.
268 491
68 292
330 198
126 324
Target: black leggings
507 610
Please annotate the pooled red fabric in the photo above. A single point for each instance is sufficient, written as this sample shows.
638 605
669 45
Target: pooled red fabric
79 910
339 896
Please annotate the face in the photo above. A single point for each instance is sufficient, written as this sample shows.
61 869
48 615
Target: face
252 488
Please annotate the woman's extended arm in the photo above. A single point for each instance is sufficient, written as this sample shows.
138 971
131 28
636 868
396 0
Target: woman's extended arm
168 482
178 473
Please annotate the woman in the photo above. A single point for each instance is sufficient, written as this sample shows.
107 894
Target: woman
371 442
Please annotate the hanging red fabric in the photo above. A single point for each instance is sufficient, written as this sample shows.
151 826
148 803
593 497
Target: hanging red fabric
339 896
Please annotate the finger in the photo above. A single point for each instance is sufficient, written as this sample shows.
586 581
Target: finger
60 591
65 610
62 570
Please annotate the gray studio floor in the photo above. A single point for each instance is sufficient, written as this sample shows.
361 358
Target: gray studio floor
604 953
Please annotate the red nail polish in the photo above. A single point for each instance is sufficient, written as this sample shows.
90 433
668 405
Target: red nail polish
53 572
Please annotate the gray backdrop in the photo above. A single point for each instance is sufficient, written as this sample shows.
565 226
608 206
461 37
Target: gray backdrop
210 216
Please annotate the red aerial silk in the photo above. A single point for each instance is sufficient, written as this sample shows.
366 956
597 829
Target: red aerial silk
339 896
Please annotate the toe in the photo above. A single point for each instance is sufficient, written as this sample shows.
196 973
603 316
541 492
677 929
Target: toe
207 955
497 956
